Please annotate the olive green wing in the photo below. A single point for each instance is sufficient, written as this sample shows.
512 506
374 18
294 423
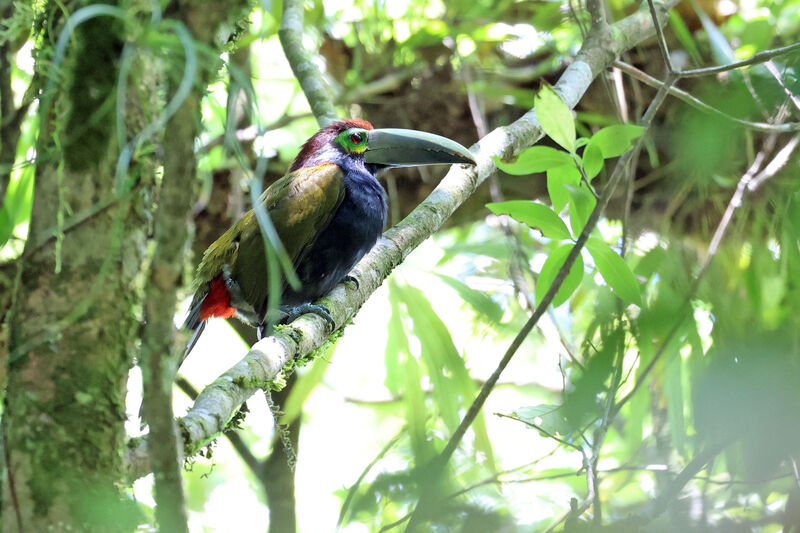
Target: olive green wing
221 252
300 204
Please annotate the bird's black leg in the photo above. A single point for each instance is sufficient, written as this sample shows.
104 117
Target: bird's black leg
293 312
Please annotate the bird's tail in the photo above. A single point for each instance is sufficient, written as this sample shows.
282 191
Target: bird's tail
199 327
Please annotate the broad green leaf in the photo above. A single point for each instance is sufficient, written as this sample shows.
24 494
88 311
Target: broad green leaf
613 141
685 36
555 117
535 215
550 418
479 301
453 387
580 207
6 229
615 271
673 394
549 271
415 408
18 200
592 160
557 178
534 159
396 343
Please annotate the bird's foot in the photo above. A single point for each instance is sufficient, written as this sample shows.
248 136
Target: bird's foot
352 279
293 312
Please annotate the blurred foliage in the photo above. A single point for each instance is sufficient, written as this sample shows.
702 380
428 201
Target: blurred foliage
729 355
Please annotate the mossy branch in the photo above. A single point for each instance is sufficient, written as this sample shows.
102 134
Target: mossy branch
306 72
219 401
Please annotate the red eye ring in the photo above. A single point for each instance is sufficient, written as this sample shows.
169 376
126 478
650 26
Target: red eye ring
356 138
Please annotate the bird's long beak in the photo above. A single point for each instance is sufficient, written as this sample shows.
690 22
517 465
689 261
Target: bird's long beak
407 148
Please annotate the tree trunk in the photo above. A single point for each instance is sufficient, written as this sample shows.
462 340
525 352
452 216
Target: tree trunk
78 295
73 319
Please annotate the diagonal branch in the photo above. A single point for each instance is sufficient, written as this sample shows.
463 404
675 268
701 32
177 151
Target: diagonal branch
217 403
306 72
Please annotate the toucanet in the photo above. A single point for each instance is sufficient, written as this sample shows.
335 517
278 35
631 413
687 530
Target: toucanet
329 210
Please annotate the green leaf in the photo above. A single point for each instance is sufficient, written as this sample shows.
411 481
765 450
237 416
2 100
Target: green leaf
615 271
684 35
18 200
592 160
613 141
535 215
555 117
557 178
479 301
534 159
453 387
397 342
673 394
580 208
549 271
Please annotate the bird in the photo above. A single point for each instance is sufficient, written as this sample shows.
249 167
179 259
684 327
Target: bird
329 211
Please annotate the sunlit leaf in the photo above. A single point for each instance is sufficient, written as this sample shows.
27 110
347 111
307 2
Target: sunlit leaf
673 394
615 271
684 35
557 178
19 197
555 117
549 271
534 159
396 343
453 387
613 141
580 208
592 160
479 301
535 215
6 229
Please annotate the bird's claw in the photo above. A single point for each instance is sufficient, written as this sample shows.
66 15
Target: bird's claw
293 312
352 279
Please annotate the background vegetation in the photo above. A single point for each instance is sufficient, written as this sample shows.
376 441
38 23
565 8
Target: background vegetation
624 298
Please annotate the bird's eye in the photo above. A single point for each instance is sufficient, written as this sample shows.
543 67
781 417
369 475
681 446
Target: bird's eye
356 138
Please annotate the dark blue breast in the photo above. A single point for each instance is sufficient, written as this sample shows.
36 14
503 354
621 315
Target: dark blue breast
352 232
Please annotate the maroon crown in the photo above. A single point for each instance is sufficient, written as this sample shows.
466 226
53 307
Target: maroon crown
325 136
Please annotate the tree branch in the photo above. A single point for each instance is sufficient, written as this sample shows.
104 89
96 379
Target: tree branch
176 197
306 72
217 403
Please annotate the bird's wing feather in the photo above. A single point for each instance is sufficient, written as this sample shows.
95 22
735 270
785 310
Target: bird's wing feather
301 205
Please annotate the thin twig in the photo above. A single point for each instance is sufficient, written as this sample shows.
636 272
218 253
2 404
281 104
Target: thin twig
662 41
702 106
